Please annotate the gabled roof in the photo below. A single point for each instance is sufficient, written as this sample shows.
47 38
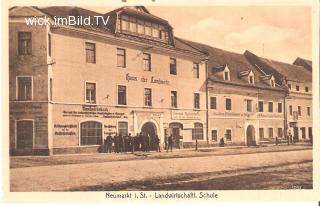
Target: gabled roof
303 62
236 63
280 70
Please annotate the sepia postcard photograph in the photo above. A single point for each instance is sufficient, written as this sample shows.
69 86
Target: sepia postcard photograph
160 101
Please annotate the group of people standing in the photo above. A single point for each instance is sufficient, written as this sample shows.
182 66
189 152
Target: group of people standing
128 143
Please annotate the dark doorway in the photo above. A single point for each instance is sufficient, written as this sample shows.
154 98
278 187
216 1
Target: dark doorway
150 130
24 134
176 130
296 134
251 140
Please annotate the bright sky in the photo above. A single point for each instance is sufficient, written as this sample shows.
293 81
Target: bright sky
283 31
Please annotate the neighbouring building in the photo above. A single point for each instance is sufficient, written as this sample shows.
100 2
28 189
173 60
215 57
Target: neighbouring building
246 105
70 86
298 80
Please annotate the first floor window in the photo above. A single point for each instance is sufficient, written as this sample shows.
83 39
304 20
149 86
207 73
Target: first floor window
214 135
173 66
91 133
122 128
147 62
249 105
297 88
308 111
196 100
260 106
90 92
174 99
270 132
290 110
24 88
213 102
121 58
90 52
228 104
197 132
270 106
299 110
228 134
280 132
303 132
24 43
147 97
196 70
279 107
122 95
261 133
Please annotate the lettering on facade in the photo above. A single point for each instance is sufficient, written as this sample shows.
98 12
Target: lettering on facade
153 80
185 115
65 129
94 111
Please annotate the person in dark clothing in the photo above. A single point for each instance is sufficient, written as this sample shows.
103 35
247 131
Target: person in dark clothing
277 140
221 144
165 142
148 142
125 143
170 143
157 143
108 143
129 143
120 139
116 143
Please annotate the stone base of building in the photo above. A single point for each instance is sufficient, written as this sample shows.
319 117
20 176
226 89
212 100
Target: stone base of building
26 152
78 150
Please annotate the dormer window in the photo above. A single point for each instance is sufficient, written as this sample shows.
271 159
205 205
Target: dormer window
251 78
226 76
272 84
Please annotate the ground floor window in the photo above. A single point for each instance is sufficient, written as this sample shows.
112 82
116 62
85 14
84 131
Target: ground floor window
228 134
91 133
197 132
24 134
122 128
303 132
214 135
280 132
261 133
270 132
310 132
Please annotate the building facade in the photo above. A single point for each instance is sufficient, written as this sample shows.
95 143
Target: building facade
93 82
71 86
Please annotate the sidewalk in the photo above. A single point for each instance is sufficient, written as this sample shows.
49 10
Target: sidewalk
33 161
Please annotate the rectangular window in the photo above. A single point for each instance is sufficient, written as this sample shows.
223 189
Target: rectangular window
174 103
290 110
279 107
90 92
155 32
49 45
50 89
249 105
213 102
123 128
214 135
307 89
251 80
173 66
226 76
196 70
197 131
24 88
121 58
303 132
297 88
280 132
147 62
24 43
122 95
196 100
289 86
147 97
228 134
124 23
140 27
308 111
299 110
261 133
148 29
133 27
270 132
90 53
260 106
228 104
270 106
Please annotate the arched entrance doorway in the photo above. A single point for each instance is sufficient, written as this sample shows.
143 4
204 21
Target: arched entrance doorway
176 132
149 130
251 140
